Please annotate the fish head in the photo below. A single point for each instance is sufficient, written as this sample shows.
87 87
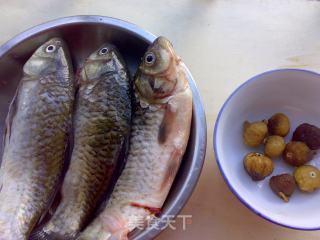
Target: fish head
105 59
157 75
51 57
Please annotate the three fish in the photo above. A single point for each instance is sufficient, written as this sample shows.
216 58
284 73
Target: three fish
160 130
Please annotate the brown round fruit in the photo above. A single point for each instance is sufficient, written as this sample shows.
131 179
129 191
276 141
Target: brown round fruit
274 146
308 134
254 133
307 178
279 125
297 154
283 186
258 166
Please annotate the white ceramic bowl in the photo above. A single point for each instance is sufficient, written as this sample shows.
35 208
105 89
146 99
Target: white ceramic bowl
293 92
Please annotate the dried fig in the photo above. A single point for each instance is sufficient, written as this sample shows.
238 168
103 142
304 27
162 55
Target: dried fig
258 166
279 125
274 146
254 133
297 154
307 178
283 185
308 134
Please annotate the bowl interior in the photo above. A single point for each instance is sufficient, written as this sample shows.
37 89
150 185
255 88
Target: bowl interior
83 35
293 92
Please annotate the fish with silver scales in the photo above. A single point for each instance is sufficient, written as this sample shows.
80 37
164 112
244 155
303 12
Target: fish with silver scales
36 139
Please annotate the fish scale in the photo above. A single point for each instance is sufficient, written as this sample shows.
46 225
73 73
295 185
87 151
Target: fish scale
101 127
159 136
34 150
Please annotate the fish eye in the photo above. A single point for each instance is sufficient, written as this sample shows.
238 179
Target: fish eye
103 51
51 48
150 58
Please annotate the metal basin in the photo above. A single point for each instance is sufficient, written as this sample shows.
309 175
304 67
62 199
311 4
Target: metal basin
83 35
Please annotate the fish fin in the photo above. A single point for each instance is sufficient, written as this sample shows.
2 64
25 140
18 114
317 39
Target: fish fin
55 203
172 169
166 124
40 234
7 128
11 113
46 216
78 77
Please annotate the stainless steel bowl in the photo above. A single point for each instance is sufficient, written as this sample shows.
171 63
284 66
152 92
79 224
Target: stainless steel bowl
83 35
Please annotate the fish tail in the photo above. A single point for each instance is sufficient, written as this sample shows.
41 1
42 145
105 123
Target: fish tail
40 234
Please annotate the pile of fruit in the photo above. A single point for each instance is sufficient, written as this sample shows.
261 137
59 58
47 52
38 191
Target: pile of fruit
299 151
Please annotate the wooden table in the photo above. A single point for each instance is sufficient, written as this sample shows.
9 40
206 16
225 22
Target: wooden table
223 42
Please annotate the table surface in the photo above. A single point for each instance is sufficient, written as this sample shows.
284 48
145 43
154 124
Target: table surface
223 42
